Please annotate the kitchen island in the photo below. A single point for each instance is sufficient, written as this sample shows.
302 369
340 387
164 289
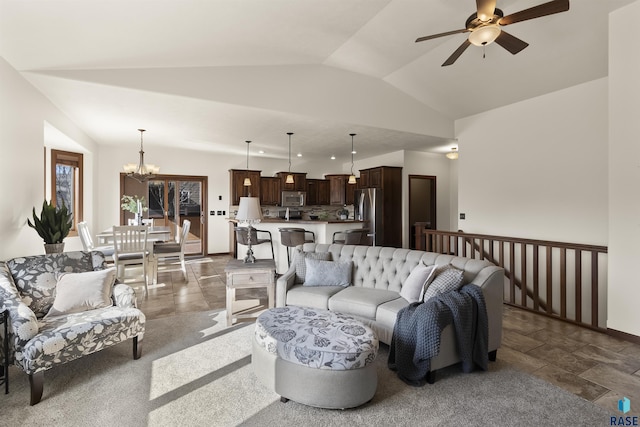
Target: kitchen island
323 230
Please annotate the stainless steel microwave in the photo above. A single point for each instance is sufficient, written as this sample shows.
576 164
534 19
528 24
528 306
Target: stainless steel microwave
293 198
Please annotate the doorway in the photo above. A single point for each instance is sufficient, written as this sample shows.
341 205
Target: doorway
171 199
422 204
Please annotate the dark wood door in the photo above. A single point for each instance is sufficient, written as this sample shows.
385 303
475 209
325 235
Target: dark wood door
422 204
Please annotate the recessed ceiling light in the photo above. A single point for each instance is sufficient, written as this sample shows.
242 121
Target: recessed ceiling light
333 157
299 154
261 151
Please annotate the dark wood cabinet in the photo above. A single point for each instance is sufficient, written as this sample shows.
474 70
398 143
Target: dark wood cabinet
389 179
350 192
317 192
270 191
299 181
364 179
324 192
337 188
238 189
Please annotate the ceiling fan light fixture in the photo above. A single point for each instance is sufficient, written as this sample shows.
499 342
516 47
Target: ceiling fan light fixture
453 154
484 35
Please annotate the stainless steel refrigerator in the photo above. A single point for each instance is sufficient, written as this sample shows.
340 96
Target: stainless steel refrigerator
368 204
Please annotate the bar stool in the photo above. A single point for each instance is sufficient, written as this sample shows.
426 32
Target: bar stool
354 236
292 237
242 238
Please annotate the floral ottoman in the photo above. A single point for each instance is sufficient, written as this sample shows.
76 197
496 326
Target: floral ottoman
315 357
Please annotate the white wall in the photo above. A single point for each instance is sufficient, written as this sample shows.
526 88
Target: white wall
420 163
23 113
538 168
624 170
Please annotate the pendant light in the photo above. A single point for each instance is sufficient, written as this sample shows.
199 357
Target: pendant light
141 172
289 179
352 177
247 181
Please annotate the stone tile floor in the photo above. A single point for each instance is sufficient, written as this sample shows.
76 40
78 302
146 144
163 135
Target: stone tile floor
589 364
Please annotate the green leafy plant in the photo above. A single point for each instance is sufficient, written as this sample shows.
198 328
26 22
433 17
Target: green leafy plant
130 204
54 222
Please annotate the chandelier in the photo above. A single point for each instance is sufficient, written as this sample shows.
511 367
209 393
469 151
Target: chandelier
141 172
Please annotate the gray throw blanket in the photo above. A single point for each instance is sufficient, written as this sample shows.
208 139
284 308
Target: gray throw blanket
416 335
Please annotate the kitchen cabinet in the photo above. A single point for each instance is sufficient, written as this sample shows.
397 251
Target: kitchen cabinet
317 192
350 191
364 179
340 191
270 191
299 181
237 190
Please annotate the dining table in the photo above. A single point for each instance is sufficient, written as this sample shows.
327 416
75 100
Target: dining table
155 233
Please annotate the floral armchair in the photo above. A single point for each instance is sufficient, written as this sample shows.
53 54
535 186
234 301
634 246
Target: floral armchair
46 330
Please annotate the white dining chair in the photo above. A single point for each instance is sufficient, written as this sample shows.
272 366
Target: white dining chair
164 250
87 242
130 244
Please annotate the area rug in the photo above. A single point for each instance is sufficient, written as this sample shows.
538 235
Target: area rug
196 372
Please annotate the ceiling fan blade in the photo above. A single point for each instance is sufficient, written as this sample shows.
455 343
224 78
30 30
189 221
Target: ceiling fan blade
544 9
455 55
485 9
511 43
435 36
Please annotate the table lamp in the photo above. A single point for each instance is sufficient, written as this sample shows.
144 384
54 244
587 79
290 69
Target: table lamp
249 212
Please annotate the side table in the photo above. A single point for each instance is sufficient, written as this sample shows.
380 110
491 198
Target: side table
4 378
240 275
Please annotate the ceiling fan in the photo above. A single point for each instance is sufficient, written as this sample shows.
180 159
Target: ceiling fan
485 26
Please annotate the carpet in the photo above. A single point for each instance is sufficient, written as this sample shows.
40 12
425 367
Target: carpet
196 372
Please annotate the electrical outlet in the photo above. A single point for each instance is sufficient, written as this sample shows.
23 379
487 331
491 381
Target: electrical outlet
212 212
219 197
219 212
462 216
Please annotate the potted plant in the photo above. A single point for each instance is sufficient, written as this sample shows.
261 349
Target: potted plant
135 205
53 226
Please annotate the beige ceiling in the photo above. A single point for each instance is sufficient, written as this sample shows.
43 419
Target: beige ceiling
210 74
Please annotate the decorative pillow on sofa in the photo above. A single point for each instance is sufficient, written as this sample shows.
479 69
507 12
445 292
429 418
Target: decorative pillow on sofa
301 266
328 273
76 292
414 285
446 278
35 276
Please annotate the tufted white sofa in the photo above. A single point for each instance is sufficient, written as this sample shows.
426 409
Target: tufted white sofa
374 298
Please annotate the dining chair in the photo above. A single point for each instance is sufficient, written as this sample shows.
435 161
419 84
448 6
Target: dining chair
166 250
354 236
292 237
130 244
87 242
242 238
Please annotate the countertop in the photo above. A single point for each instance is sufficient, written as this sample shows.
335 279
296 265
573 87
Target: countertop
305 221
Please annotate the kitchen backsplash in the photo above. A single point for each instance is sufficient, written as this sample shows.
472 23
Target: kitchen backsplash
322 212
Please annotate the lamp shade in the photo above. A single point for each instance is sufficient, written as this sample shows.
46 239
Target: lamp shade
484 35
249 210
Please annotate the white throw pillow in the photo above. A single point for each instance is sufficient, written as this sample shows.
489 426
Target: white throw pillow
414 285
327 273
77 292
448 279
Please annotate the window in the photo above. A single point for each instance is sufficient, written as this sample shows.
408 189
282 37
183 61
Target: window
66 183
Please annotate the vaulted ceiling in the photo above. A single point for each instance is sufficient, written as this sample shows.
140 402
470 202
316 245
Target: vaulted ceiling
209 75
